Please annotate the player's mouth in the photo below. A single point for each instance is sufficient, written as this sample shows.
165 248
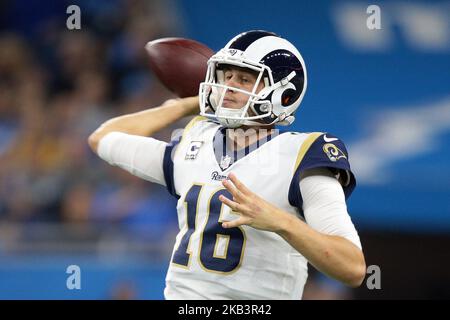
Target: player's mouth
228 102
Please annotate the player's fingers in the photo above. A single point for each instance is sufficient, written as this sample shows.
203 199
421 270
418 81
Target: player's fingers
232 204
235 223
233 190
239 185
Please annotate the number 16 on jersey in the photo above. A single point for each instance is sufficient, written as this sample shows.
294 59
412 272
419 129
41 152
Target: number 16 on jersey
220 250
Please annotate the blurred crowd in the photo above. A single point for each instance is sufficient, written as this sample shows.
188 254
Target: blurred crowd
56 87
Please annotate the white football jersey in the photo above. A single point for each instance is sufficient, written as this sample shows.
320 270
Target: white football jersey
210 262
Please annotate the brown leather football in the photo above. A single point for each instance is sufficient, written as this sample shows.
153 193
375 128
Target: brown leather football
179 63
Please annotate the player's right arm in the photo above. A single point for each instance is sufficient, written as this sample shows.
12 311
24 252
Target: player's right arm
124 141
146 123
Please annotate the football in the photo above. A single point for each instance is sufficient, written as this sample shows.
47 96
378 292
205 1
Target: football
179 63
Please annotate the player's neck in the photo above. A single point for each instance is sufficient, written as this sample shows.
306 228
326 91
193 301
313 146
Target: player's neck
245 136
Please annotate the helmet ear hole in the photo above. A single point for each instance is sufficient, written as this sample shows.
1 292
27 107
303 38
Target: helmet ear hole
291 94
286 97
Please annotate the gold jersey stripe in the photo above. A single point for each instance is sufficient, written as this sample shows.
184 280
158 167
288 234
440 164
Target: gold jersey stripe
189 127
192 123
305 147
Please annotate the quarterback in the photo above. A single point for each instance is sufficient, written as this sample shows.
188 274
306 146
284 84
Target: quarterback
255 204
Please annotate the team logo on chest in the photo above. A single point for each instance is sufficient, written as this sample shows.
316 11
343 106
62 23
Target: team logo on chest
217 176
193 149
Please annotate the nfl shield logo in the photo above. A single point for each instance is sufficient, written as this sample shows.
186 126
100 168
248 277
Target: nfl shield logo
225 162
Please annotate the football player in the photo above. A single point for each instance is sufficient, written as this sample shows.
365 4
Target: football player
254 205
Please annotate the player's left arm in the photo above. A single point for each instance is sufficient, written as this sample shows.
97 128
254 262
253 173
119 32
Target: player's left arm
333 255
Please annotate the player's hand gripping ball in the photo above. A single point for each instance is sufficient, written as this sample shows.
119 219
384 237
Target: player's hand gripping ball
180 64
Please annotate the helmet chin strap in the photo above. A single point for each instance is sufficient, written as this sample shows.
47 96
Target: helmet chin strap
286 121
239 123
232 124
223 113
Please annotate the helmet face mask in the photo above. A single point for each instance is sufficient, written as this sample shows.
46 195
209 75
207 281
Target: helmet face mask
276 64
215 90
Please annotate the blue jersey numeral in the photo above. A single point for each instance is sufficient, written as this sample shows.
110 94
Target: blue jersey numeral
221 250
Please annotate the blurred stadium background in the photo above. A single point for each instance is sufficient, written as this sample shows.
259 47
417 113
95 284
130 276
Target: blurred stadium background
385 92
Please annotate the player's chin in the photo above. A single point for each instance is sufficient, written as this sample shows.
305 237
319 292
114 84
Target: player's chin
229 104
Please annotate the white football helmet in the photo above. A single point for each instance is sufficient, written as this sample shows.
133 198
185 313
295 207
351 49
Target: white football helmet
278 64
